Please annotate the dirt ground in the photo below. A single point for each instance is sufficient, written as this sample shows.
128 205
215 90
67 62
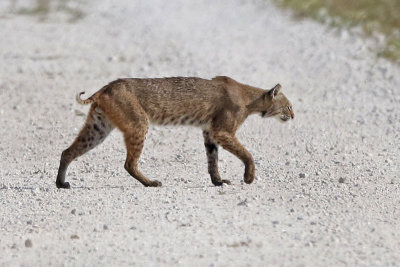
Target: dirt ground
327 184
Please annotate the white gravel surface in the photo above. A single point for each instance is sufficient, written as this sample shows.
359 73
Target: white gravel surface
327 186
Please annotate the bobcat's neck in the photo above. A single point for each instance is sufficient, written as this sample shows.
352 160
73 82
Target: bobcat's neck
255 99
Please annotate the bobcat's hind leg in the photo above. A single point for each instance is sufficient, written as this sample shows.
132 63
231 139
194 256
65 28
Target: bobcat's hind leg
212 159
95 130
128 115
134 145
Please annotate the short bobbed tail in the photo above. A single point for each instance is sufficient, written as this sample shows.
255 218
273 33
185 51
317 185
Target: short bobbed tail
83 102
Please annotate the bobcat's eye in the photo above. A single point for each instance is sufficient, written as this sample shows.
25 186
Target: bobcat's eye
289 108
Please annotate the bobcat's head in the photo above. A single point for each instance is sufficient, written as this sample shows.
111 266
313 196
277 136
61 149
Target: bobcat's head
279 106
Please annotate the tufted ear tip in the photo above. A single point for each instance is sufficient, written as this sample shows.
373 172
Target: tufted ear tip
275 90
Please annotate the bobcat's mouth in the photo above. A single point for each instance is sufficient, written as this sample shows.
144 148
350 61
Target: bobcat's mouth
269 114
284 118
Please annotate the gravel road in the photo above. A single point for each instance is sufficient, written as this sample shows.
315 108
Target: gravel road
327 184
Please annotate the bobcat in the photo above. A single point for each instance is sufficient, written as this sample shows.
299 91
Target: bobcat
218 106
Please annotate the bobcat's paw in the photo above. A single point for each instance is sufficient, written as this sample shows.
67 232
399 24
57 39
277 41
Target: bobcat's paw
155 183
221 182
248 180
64 185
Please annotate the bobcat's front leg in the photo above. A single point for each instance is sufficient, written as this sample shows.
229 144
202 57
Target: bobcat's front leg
212 160
230 143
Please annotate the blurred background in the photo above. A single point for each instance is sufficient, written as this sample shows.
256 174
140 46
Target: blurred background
379 20
373 16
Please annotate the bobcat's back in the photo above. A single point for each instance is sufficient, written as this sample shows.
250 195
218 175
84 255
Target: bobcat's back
178 100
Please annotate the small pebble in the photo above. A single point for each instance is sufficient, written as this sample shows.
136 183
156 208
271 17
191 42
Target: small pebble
105 227
243 203
302 175
28 243
341 180
79 113
73 211
74 237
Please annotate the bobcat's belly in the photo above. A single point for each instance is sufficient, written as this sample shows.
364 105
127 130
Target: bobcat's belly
203 123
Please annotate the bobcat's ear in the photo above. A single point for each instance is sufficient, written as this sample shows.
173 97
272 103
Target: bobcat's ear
274 91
